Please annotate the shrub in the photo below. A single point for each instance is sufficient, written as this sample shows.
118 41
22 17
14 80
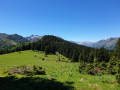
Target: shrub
29 71
118 75
118 78
40 72
113 65
112 68
86 68
103 68
90 69
82 67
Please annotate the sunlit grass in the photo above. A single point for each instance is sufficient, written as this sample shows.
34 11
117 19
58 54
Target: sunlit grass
66 72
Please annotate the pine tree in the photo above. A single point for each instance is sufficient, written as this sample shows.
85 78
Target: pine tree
91 58
75 56
102 55
47 50
81 57
117 49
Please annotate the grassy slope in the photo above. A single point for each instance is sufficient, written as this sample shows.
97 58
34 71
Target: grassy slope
6 43
61 71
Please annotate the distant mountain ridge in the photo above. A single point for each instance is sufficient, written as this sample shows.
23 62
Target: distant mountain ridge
34 37
37 37
8 41
3 35
17 38
109 43
86 43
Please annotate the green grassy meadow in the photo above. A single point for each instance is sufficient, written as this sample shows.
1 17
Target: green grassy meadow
63 72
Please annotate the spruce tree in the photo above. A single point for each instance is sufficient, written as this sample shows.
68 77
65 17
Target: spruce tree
81 57
117 49
102 55
47 50
75 56
91 58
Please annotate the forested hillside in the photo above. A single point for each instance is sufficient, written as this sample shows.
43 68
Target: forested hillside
6 43
9 41
109 43
52 44
3 35
17 38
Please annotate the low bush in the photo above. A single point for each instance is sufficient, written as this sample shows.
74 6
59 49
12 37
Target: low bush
26 70
90 69
118 78
82 67
29 73
112 68
118 74
93 68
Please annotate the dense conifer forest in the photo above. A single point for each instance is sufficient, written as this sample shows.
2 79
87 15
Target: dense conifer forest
51 44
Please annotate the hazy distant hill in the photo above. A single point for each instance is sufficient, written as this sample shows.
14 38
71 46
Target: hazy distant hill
3 35
7 41
86 43
109 43
34 37
37 37
17 38
11 40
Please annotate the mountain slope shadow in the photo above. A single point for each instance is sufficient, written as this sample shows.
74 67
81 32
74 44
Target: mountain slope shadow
32 83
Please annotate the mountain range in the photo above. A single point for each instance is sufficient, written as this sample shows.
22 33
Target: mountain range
109 43
7 41
34 37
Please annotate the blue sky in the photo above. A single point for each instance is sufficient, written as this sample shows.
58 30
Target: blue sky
76 20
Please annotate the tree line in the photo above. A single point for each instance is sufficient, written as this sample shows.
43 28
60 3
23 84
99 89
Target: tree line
51 44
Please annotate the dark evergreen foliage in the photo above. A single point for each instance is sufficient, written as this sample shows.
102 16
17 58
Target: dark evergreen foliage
17 38
50 44
102 55
9 41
